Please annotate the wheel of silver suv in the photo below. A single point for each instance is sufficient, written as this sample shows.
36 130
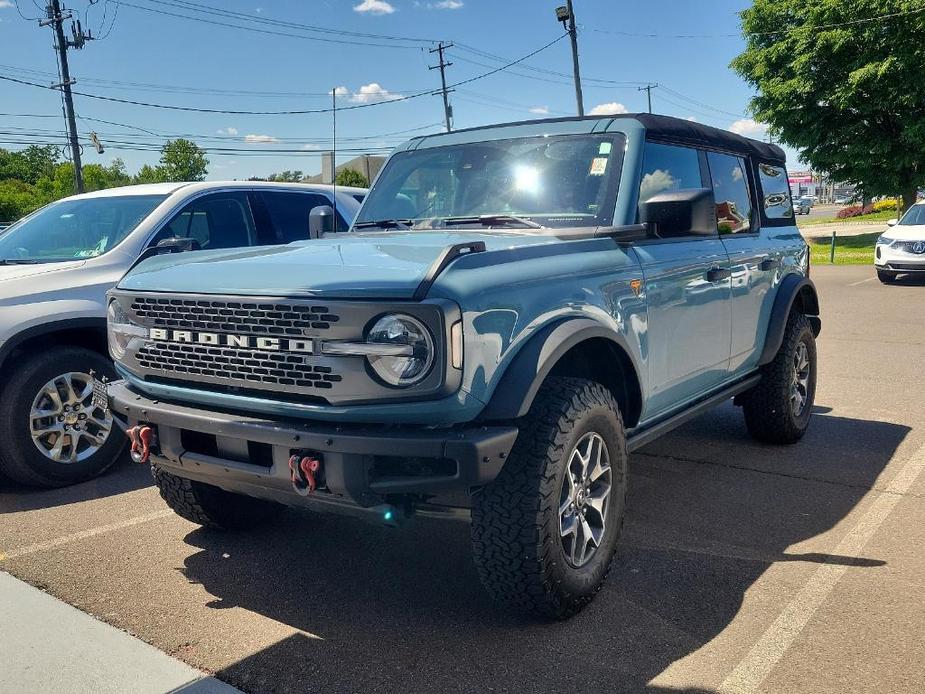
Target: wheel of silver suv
51 435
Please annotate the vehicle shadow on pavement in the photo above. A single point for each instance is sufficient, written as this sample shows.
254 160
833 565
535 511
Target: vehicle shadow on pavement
124 476
385 610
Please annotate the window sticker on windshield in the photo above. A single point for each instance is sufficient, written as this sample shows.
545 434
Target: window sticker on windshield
598 166
605 148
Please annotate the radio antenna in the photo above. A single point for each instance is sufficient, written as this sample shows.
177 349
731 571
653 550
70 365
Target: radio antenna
334 152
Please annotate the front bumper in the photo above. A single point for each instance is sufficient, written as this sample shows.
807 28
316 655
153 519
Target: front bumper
364 465
889 258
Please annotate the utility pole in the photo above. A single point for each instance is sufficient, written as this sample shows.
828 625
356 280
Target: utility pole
447 109
566 15
648 90
56 18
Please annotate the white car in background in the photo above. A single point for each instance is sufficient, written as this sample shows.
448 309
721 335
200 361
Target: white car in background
901 248
55 268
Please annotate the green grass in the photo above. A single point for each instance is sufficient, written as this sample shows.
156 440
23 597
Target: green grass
875 217
849 250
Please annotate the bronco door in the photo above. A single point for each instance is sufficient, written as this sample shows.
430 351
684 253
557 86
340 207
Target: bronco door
687 284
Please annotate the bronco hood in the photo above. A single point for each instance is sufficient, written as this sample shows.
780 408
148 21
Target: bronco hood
354 265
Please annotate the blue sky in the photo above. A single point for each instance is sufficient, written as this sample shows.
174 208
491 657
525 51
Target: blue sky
180 61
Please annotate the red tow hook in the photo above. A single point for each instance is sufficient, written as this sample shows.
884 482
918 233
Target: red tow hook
141 436
302 472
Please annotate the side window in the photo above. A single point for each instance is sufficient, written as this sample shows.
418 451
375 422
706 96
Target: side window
288 213
222 220
668 167
775 192
730 188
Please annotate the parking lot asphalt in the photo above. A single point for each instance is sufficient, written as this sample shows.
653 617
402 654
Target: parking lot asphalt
742 568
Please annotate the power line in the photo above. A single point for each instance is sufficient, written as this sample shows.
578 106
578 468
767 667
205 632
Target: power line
273 32
292 112
813 27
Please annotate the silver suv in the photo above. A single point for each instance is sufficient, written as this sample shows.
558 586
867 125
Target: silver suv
55 267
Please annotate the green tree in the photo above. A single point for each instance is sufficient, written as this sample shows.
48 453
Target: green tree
29 164
182 160
17 199
286 176
351 177
149 174
848 93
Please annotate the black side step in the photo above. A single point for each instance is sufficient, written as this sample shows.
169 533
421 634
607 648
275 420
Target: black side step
639 438
449 254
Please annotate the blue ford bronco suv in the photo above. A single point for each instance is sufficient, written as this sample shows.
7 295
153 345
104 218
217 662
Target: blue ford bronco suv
516 308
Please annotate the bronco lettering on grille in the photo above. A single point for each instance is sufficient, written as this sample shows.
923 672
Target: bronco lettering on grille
270 344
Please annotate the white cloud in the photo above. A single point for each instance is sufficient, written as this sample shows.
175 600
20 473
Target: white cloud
260 139
259 10
6 3
749 127
227 131
374 7
540 110
309 147
341 91
447 5
373 92
607 109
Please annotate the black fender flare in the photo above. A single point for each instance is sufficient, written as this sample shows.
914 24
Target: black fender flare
792 288
524 376
19 338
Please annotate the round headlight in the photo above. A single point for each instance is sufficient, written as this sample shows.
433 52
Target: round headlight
410 365
121 329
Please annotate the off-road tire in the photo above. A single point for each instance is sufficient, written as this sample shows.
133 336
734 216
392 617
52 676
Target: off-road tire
767 407
210 506
886 276
515 520
20 460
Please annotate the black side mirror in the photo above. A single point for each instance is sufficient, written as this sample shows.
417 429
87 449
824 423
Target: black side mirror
688 212
320 221
176 244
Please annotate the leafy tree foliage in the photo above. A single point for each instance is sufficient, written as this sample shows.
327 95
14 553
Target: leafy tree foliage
286 176
351 177
183 160
848 93
35 176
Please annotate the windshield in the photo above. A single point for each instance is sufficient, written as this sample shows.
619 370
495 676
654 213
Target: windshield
73 229
915 215
556 181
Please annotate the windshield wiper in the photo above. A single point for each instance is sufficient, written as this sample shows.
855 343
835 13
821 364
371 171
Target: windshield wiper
403 224
18 261
491 220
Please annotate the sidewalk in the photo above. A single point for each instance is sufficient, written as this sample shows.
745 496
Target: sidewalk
49 646
846 228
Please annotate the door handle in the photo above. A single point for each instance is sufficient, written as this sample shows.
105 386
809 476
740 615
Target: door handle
715 274
768 264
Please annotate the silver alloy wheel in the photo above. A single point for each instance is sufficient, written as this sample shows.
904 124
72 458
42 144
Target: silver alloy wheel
584 499
64 424
799 379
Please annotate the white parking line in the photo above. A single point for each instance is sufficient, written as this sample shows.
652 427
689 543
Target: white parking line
752 670
855 284
83 534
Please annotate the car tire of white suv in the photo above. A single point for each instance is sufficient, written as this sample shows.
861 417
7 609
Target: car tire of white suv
53 435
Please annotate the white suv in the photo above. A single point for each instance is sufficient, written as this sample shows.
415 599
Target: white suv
901 248
55 268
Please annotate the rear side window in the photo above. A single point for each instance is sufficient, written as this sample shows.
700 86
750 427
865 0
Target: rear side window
730 189
285 215
775 192
222 220
668 167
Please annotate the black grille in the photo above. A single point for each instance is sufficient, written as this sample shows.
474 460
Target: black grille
236 364
234 316
909 267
